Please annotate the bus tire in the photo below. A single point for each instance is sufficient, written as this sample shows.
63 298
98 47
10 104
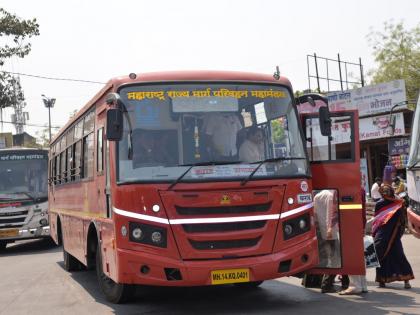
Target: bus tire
3 245
114 292
248 285
70 263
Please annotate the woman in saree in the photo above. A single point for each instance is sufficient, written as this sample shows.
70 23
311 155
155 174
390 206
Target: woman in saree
387 229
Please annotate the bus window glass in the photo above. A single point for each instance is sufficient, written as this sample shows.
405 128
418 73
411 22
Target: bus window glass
77 159
338 146
70 170
89 124
70 137
176 126
100 151
63 169
88 153
78 130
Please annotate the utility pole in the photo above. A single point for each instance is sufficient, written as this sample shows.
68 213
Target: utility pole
49 103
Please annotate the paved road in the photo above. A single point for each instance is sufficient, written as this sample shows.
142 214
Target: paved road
32 281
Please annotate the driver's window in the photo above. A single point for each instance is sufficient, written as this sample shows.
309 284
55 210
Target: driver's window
327 228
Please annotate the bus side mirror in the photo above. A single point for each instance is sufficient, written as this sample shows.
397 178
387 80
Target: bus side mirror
325 121
114 124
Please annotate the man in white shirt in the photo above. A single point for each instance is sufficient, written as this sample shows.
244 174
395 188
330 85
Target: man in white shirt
222 128
252 149
326 220
374 191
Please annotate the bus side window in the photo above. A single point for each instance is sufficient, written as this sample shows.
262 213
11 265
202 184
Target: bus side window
77 159
88 153
100 151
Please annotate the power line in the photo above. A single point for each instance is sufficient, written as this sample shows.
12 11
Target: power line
51 78
29 125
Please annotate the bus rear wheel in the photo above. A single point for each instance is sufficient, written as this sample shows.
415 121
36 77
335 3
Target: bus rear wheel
114 292
70 262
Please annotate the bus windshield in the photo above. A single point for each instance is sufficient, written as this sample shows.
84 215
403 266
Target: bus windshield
211 131
23 175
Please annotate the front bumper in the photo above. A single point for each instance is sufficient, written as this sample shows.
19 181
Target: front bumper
295 259
25 233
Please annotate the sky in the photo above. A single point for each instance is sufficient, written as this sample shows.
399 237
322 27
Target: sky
97 40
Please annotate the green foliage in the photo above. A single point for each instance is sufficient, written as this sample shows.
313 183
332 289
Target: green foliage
14 33
277 130
397 53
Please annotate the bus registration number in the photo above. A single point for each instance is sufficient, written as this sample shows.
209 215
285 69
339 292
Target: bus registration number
229 276
9 233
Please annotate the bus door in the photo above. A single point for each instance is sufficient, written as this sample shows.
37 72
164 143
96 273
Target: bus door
336 180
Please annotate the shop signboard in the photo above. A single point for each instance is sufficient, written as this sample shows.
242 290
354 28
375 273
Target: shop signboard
379 127
399 146
369 100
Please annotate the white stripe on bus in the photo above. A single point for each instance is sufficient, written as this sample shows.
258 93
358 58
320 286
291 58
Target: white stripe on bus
297 210
212 220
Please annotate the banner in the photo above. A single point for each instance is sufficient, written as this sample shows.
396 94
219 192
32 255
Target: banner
364 174
379 127
369 100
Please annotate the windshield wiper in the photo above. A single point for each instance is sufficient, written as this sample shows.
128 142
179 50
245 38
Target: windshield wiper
176 181
245 180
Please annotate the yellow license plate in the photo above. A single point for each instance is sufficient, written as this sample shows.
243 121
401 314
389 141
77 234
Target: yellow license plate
9 233
229 276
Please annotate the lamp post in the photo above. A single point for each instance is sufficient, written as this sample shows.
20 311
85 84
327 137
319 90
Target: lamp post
49 103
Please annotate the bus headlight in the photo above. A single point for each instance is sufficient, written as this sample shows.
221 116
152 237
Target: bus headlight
296 226
147 234
288 230
156 237
302 224
137 233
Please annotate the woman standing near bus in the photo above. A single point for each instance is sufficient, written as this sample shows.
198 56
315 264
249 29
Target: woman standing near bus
388 228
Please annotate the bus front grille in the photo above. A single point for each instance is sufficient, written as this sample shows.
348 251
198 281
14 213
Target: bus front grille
223 227
223 209
224 244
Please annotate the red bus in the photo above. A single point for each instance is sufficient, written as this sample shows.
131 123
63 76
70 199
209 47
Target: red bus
200 178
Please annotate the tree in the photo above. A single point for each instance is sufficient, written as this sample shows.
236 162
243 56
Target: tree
397 53
14 33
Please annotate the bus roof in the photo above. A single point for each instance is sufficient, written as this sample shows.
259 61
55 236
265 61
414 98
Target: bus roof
175 76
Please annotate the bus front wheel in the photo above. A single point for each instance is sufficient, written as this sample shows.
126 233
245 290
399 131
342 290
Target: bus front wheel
3 245
114 292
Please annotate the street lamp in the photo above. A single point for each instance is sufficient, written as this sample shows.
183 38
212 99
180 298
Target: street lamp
49 103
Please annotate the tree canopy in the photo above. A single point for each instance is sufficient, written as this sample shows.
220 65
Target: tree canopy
14 33
397 53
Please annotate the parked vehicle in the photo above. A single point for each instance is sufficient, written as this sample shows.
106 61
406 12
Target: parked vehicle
23 195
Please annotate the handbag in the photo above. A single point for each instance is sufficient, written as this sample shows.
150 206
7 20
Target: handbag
371 258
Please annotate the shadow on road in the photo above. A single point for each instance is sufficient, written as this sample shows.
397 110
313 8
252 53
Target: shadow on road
30 247
272 297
